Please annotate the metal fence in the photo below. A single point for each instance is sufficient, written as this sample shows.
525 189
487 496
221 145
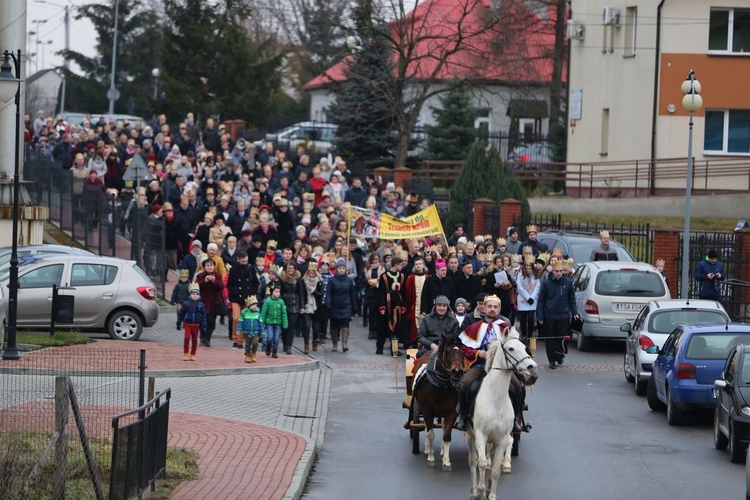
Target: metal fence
139 449
103 223
56 409
730 254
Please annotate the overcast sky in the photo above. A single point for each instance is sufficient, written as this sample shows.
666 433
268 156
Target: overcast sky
82 34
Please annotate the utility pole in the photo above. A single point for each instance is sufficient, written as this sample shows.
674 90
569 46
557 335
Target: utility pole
113 94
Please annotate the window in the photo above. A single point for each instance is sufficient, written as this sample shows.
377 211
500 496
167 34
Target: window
92 275
604 150
727 131
42 277
729 30
482 123
631 23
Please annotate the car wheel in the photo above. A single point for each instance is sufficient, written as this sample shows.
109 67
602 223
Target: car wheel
653 400
640 385
674 414
582 342
626 368
125 325
736 450
720 440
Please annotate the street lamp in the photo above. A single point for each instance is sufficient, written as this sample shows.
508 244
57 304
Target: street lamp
10 87
113 94
156 72
692 102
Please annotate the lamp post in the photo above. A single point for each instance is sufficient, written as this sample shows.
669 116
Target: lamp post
113 94
155 73
10 87
692 102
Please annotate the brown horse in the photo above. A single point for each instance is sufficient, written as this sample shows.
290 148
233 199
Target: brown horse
436 394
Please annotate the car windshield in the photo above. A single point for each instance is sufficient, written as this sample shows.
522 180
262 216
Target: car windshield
629 283
666 321
715 345
582 250
746 371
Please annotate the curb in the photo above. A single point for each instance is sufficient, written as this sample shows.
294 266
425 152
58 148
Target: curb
312 448
214 372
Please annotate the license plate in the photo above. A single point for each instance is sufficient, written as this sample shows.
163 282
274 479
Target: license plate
627 307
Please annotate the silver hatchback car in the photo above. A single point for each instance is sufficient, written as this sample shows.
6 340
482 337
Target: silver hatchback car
610 293
108 294
650 329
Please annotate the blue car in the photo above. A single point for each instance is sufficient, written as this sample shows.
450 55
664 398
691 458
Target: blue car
692 358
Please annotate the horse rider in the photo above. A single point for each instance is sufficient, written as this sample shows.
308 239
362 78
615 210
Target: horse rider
476 341
436 324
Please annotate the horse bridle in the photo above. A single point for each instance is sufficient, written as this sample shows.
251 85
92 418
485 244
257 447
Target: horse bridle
511 359
442 359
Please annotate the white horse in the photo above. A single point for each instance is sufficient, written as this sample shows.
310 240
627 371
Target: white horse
489 436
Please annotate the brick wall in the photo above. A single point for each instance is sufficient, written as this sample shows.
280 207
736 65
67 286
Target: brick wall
666 246
480 206
510 211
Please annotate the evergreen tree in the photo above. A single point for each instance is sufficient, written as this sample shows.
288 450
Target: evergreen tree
212 67
454 133
363 109
483 175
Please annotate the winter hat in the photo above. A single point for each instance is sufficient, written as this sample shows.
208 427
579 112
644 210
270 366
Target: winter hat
300 228
442 300
197 243
155 208
340 262
463 301
314 233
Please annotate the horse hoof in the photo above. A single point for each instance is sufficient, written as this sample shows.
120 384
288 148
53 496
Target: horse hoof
505 470
447 468
430 464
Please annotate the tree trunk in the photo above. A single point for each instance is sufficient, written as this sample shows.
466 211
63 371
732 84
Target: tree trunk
558 60
402 151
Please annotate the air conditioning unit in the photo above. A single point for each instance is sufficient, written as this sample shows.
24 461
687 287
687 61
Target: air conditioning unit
575 30
611 16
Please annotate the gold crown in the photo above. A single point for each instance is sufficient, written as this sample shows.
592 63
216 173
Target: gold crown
516 258
184 273
273 268
569 264
272 244
401 254
557 251
660 263
544 257
312 266
451 250
431 248
501 241
604 234
482 256
527 251
260 260
251 300
529 259
318 250
194 287
557 265
492 298
532 229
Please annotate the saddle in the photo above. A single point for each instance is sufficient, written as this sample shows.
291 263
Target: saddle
434 377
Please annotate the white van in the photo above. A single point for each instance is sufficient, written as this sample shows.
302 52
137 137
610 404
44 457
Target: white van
317 137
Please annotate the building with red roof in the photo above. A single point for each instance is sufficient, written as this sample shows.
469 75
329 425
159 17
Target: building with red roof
509 64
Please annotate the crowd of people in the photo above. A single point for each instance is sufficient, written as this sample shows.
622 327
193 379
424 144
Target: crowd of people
255 229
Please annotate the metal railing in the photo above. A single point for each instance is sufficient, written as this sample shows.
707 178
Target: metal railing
139 447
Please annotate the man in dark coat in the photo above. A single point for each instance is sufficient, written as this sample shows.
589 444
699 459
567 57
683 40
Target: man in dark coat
391 306
467 284
556 306
436 285
241 284
709 272
530 242
436 324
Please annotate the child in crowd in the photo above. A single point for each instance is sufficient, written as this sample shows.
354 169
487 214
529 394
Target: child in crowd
193 315
463 319
274 317
181 290
251 327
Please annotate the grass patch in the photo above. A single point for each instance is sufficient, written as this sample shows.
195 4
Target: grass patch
60 339
696 223
22 452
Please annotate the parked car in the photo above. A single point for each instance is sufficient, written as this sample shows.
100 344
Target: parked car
38 250
109 294
647 333
78 118
732 412
692 358
579 245
531 156
611 293
316 136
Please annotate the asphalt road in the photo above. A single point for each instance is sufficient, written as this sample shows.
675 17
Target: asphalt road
592 438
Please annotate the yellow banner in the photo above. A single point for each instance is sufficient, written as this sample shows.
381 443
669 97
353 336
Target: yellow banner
420 225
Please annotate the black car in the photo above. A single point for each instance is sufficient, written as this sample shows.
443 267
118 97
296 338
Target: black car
578 246
732 413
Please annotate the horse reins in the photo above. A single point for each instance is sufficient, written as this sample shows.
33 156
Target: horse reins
510 359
